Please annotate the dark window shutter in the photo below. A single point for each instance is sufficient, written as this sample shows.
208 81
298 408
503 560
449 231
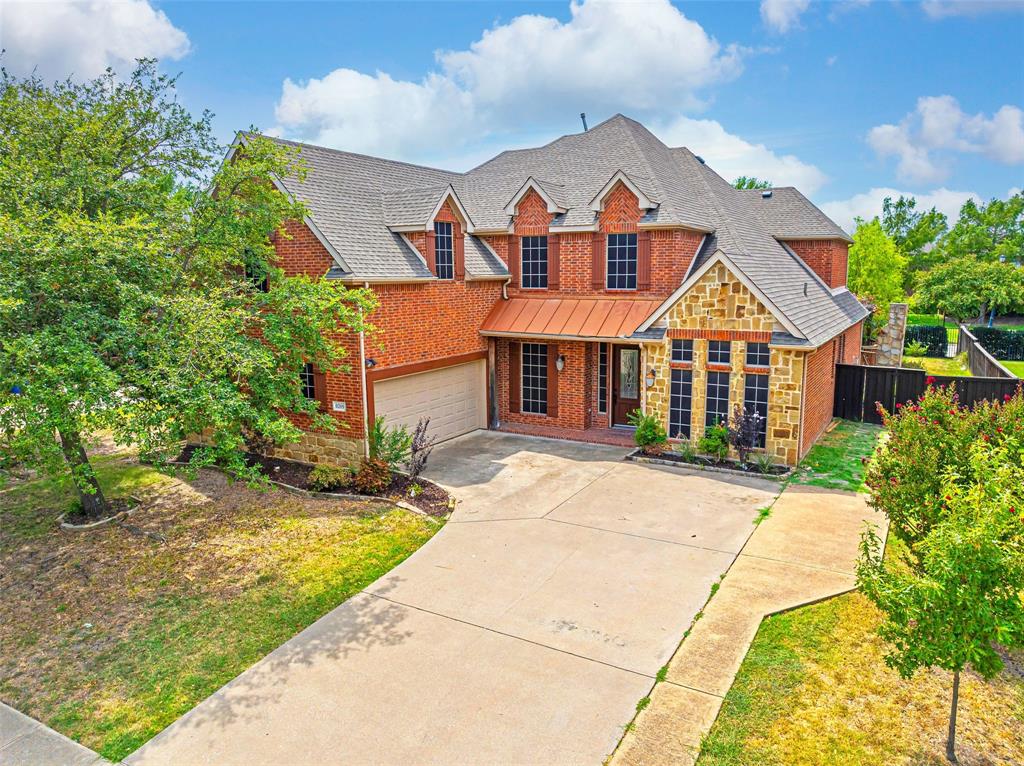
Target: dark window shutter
460 251
515 259
431 254
553 267
515 377
320 388
643 260
552 380
597 261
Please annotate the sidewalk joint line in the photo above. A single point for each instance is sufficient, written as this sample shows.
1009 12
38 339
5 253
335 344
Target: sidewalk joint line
694 689
797 564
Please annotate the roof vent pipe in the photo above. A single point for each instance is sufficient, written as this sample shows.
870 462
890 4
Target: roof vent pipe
583 116
766 194
805 289
699 159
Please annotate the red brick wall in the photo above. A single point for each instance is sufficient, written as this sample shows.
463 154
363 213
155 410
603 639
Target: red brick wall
621 211
573 388
532 216
851 345
826 257
819 391
301 252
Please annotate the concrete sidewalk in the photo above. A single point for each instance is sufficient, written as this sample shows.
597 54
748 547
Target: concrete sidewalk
804 552
26 742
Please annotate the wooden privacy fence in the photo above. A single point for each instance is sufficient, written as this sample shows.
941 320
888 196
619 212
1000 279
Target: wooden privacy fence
859 388
979 360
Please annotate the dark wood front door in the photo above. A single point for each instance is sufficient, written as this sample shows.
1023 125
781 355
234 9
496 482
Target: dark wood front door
625 383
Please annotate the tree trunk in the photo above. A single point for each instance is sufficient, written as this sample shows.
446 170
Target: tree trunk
981 314
951 738
94 504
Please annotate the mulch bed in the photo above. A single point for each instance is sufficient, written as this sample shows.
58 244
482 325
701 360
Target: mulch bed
431 499
699 461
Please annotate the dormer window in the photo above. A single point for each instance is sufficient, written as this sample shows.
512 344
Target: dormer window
621 271
534 253
444 250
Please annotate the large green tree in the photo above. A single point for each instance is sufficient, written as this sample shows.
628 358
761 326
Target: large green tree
751 182
876 266
125 304
915 233
967 288
992 232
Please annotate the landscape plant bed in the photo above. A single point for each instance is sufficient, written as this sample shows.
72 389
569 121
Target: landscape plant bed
709 464
431 499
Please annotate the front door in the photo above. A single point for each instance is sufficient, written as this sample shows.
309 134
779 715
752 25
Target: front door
625 383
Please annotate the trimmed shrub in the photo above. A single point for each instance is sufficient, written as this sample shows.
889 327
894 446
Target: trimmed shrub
327 478
1001 343
390 445
715 442
650 434
931 337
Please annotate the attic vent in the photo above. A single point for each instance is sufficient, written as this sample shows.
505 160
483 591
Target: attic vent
699 159
766 194
805 289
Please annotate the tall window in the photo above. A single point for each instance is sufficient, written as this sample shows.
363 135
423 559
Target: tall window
444 250
755 397
719 352
535 378
621 262
535 262
680 404
717 399
307 381
257 277
758 355
682 351
602 378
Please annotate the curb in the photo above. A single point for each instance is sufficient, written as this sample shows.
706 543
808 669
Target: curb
640 458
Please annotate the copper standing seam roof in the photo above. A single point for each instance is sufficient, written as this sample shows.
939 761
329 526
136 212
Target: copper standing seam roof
568 317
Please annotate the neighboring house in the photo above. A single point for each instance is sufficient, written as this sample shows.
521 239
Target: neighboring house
551 291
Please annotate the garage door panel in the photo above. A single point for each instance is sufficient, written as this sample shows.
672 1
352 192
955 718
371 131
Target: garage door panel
454 398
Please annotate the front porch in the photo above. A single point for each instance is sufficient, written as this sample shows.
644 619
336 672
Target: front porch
617 437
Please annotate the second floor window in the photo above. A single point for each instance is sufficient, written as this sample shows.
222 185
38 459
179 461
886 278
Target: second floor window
682 350
758 355
444 250
307 381
719 352
621 262
535 262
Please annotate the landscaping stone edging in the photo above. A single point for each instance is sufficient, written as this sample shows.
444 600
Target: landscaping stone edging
638 457
323 495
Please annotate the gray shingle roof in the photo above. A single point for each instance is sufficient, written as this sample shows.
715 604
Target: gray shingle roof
353 199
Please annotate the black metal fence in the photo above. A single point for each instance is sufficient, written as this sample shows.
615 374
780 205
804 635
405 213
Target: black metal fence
979 360
859 389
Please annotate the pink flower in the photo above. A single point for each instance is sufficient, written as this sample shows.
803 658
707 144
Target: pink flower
1006 397
929 380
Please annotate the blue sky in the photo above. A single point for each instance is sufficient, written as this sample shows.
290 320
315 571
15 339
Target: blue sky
847 100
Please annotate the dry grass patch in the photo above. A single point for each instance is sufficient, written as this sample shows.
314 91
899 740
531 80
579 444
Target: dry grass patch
814 689
111 635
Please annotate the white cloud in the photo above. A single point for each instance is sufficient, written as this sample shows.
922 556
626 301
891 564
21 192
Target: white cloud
941 9
925 139
731 156
534 72
782 15
869 204
81 39
831 60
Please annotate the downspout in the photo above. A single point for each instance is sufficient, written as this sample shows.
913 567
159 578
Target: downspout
803 402
362 367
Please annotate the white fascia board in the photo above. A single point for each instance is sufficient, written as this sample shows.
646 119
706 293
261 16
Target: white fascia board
531 183
720 257
645 202
449 193
241 140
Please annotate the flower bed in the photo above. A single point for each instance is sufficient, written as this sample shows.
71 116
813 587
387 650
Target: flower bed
291 474
707 464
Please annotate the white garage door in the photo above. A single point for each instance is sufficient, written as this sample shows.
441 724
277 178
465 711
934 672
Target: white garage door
454 398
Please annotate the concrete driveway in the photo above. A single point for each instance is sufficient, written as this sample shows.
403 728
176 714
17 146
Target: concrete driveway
524 632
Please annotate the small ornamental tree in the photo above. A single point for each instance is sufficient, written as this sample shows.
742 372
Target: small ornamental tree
959 595
745 431
125 304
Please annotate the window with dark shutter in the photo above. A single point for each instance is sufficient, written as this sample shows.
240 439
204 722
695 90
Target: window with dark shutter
602 378
534 255
444 250
535 378
621 268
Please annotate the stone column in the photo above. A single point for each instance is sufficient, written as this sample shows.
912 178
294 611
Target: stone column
890 339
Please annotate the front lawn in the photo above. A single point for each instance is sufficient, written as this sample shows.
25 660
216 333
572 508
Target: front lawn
836 461
109 636
955 366
814 689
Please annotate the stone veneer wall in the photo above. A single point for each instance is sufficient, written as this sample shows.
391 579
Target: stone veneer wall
720 307
332 449
890 338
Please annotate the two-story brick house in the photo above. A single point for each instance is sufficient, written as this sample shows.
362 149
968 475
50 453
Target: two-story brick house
551 291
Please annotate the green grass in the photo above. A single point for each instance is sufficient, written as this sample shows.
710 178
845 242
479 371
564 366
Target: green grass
836 460
814 689
1017 368
954 367
119 636
934 320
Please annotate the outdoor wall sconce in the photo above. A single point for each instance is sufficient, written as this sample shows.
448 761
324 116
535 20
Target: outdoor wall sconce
370 363
560 362
651 375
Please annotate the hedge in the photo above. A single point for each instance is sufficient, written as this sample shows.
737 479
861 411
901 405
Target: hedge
933 337
1001 343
